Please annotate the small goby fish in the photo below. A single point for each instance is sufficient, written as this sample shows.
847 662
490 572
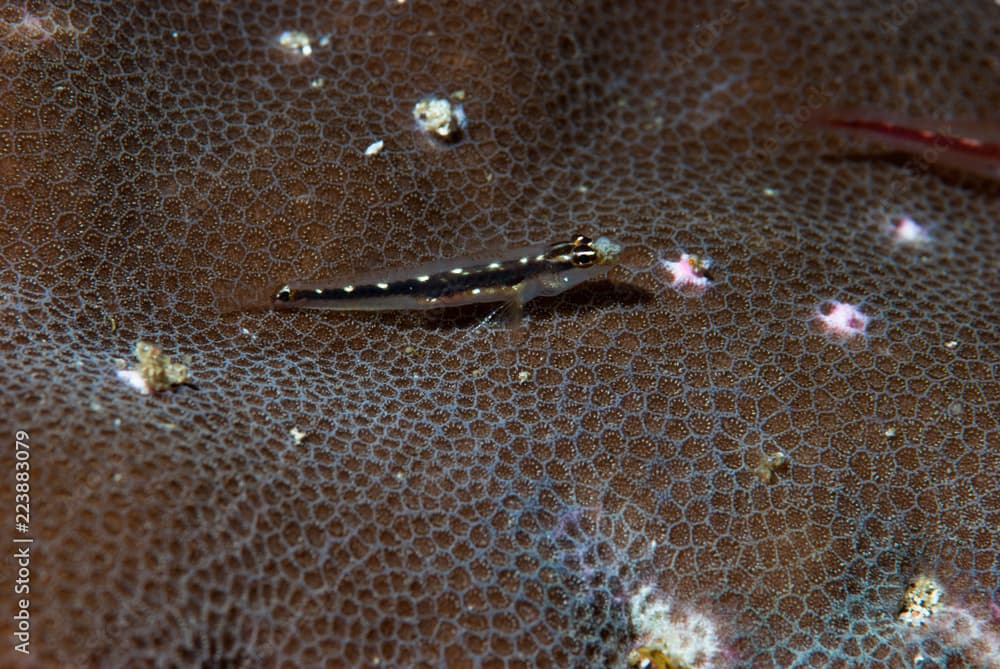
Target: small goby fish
973 146
513 277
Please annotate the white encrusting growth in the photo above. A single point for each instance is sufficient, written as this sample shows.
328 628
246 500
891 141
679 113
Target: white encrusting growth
922 599
607 247
665 631
908 232
295 41
439 117
926 613
154 372
133 378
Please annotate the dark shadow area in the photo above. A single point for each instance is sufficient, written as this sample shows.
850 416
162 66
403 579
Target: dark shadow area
594 295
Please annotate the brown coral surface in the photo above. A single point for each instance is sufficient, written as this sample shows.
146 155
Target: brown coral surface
403 490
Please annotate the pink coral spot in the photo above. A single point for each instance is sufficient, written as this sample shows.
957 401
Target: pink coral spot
688 272
841 319
909 232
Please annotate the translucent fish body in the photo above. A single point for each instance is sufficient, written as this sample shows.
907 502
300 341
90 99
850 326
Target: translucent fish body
514 277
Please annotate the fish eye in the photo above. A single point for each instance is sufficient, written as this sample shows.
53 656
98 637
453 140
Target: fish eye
583 254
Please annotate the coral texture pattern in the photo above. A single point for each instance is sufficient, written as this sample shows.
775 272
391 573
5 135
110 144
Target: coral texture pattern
429 490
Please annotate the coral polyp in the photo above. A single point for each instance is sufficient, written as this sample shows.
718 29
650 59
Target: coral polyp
688 272
842 320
